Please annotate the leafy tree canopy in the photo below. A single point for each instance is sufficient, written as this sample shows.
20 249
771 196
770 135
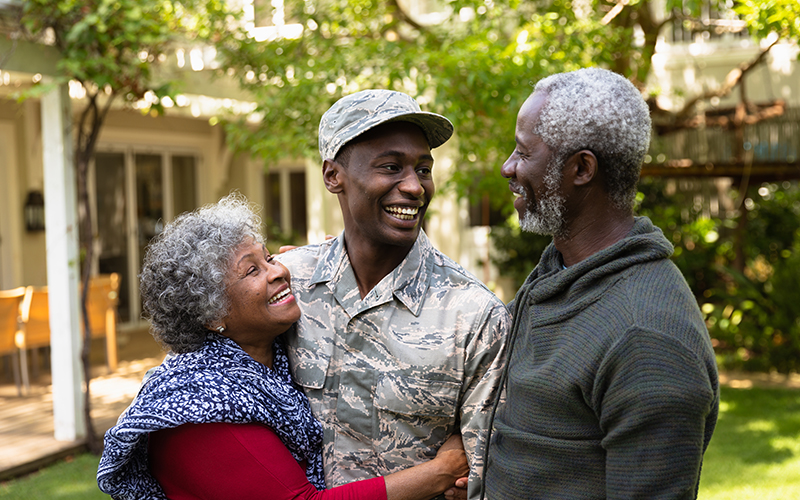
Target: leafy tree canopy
112 45
475 63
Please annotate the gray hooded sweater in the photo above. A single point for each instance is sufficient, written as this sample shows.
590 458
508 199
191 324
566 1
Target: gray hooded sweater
611 385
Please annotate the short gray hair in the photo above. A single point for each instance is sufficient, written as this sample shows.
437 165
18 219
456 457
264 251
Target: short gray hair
603 112
183 276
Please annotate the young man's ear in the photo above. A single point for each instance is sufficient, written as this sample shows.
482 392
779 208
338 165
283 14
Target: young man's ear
584 167
332 173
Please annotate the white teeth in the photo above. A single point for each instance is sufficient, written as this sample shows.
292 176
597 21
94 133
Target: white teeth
403 213
280 296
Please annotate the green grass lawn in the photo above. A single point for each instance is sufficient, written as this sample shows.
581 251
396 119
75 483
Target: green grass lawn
754 455
755 451
72 479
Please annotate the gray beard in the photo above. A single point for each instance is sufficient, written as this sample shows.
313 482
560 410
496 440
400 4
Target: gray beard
546 216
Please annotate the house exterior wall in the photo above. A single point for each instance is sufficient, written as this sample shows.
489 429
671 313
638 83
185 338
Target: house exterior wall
23 252
218 172
693 68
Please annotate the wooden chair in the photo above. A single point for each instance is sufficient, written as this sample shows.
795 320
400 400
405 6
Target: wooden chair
10 328
35 331
101 308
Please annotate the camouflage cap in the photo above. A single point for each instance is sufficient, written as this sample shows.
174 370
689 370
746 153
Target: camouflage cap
357 113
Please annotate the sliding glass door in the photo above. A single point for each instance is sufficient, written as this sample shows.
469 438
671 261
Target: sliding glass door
134 194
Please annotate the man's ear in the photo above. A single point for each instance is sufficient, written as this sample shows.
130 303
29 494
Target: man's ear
584 167
332 173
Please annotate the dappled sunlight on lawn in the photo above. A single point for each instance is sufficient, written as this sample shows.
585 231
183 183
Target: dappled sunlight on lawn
75 490
755 451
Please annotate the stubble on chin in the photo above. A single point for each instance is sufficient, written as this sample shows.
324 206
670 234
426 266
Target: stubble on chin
545 216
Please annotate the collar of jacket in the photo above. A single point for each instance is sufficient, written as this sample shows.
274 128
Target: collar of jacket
549 279
408 282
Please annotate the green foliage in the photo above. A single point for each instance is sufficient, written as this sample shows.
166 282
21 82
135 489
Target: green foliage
475 64
112 46
752 306
517 252
755 314
781 17
701 244
477 70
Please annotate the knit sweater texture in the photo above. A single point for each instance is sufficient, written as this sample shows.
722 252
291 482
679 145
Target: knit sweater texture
611 385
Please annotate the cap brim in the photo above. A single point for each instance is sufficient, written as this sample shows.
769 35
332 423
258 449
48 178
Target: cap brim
437 128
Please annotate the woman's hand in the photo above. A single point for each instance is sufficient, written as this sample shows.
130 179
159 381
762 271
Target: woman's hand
432 478
453 457
453 449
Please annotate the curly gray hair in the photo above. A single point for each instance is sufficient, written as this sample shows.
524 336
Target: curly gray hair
603 112
183 276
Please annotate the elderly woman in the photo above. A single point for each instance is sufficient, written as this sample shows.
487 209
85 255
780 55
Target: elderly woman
221 418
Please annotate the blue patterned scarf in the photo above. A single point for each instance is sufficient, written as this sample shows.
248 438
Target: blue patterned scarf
218 383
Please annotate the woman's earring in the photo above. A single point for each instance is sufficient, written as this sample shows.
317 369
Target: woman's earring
220 329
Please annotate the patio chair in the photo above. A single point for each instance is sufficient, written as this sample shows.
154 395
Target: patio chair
10 301
101 308
35 332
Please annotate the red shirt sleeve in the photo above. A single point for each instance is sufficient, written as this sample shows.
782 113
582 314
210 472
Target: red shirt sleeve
222 461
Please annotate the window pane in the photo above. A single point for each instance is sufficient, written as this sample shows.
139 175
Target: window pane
149 198
112 224
272 201
297 185
184 186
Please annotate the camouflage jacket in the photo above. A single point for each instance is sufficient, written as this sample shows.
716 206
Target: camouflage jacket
393 375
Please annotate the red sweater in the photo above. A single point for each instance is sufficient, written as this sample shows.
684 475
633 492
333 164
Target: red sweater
238 461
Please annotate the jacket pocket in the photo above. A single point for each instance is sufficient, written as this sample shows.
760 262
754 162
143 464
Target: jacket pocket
310 375
413 396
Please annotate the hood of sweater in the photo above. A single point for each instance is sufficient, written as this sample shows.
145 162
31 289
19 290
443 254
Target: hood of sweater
549 280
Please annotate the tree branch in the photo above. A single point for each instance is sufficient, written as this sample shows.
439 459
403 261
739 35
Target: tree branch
733 78
728 119
614 12
405 17
651 31
665 21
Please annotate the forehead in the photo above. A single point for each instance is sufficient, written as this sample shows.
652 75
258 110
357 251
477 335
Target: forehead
249 245
528 116
389 135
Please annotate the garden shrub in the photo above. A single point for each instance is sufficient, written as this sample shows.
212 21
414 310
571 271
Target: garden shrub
751 304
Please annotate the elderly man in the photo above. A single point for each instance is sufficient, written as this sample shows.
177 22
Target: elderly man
398 346
611 383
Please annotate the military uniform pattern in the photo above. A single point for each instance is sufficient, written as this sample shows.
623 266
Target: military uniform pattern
393 375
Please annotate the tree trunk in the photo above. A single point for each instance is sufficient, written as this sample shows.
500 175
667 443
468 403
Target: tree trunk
738 240
91 121
82 167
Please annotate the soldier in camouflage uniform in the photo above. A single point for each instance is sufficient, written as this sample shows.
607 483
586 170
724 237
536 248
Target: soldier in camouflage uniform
398 346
